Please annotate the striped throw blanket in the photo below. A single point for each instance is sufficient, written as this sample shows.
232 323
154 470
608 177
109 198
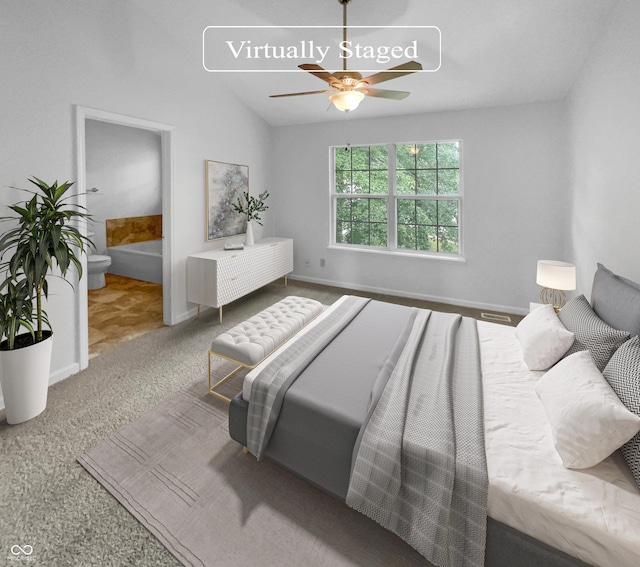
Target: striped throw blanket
419 464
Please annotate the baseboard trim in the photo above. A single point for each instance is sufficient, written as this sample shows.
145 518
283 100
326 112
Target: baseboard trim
424 297
184 316
54 377
63 373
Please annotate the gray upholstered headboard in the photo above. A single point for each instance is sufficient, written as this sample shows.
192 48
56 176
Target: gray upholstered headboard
616 300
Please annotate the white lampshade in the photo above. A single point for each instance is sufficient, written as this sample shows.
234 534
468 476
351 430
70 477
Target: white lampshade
556 275
346 100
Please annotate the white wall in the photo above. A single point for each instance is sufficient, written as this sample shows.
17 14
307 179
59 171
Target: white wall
604 135
112 56
123 163
515 183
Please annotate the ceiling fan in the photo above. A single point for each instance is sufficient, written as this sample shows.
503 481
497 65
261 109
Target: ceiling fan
348 87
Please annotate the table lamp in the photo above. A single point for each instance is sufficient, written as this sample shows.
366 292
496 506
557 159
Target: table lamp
555 277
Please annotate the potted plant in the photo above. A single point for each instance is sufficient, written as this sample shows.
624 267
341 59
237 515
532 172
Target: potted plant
252 207
45 233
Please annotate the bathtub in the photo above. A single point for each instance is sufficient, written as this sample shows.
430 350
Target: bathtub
140 261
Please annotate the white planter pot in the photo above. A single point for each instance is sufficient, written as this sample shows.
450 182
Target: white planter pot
25 380
248 238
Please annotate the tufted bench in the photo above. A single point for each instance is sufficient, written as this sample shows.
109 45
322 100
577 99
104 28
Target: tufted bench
250 342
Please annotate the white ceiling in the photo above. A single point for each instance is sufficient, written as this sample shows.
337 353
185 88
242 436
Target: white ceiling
494 52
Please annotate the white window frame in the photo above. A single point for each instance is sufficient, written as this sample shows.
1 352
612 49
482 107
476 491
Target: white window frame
392 199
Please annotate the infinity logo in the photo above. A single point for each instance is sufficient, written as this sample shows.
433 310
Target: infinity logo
24 550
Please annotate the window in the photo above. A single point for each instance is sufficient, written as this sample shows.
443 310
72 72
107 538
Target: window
400 197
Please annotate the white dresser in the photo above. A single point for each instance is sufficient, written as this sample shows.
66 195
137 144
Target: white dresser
218 277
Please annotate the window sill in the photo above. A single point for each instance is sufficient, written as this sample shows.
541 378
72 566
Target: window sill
400 253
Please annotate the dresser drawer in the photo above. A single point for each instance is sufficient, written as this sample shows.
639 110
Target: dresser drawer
281 259
233 277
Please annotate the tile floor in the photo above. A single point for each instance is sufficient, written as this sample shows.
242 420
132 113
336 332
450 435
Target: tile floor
121 311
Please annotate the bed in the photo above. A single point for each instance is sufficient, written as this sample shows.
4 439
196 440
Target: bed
558 491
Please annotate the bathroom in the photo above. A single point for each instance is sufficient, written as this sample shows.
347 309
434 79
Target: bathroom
124 197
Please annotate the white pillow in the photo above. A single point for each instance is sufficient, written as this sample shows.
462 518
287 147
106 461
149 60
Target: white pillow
543 338
588 421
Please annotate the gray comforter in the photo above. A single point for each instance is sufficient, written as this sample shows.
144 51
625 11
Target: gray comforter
418 464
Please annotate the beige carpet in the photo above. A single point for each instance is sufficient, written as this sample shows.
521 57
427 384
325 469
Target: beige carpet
178 472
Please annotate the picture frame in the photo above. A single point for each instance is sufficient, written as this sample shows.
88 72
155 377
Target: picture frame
225 182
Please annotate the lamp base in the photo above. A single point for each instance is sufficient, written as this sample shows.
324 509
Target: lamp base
555 297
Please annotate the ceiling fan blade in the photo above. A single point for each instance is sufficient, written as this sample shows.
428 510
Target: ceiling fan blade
394 72
298 94
320 73
382 93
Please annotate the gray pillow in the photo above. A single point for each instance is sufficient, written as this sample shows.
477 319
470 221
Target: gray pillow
616 300
591 332
623 375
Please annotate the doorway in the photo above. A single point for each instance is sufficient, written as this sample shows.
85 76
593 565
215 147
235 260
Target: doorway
89 195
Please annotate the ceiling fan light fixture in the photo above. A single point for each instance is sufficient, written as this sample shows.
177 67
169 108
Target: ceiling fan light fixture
346 100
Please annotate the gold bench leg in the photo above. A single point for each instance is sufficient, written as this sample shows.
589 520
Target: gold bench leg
212 389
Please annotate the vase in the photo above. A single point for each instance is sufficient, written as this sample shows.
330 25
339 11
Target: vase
248 238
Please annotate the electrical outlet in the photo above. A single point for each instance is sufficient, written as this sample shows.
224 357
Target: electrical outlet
323 263
307 263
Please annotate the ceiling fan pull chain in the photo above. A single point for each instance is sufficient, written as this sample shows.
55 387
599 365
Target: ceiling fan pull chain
346 131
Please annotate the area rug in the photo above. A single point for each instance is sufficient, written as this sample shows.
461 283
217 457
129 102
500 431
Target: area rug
180 474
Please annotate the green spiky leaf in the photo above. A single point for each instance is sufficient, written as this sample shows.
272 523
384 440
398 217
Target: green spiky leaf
42 236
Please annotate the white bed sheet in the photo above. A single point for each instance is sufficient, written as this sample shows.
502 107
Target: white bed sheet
592 514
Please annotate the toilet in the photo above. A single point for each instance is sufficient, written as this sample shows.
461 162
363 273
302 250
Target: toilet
97 266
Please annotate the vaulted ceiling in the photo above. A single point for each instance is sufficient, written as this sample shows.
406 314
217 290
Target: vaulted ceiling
493 52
